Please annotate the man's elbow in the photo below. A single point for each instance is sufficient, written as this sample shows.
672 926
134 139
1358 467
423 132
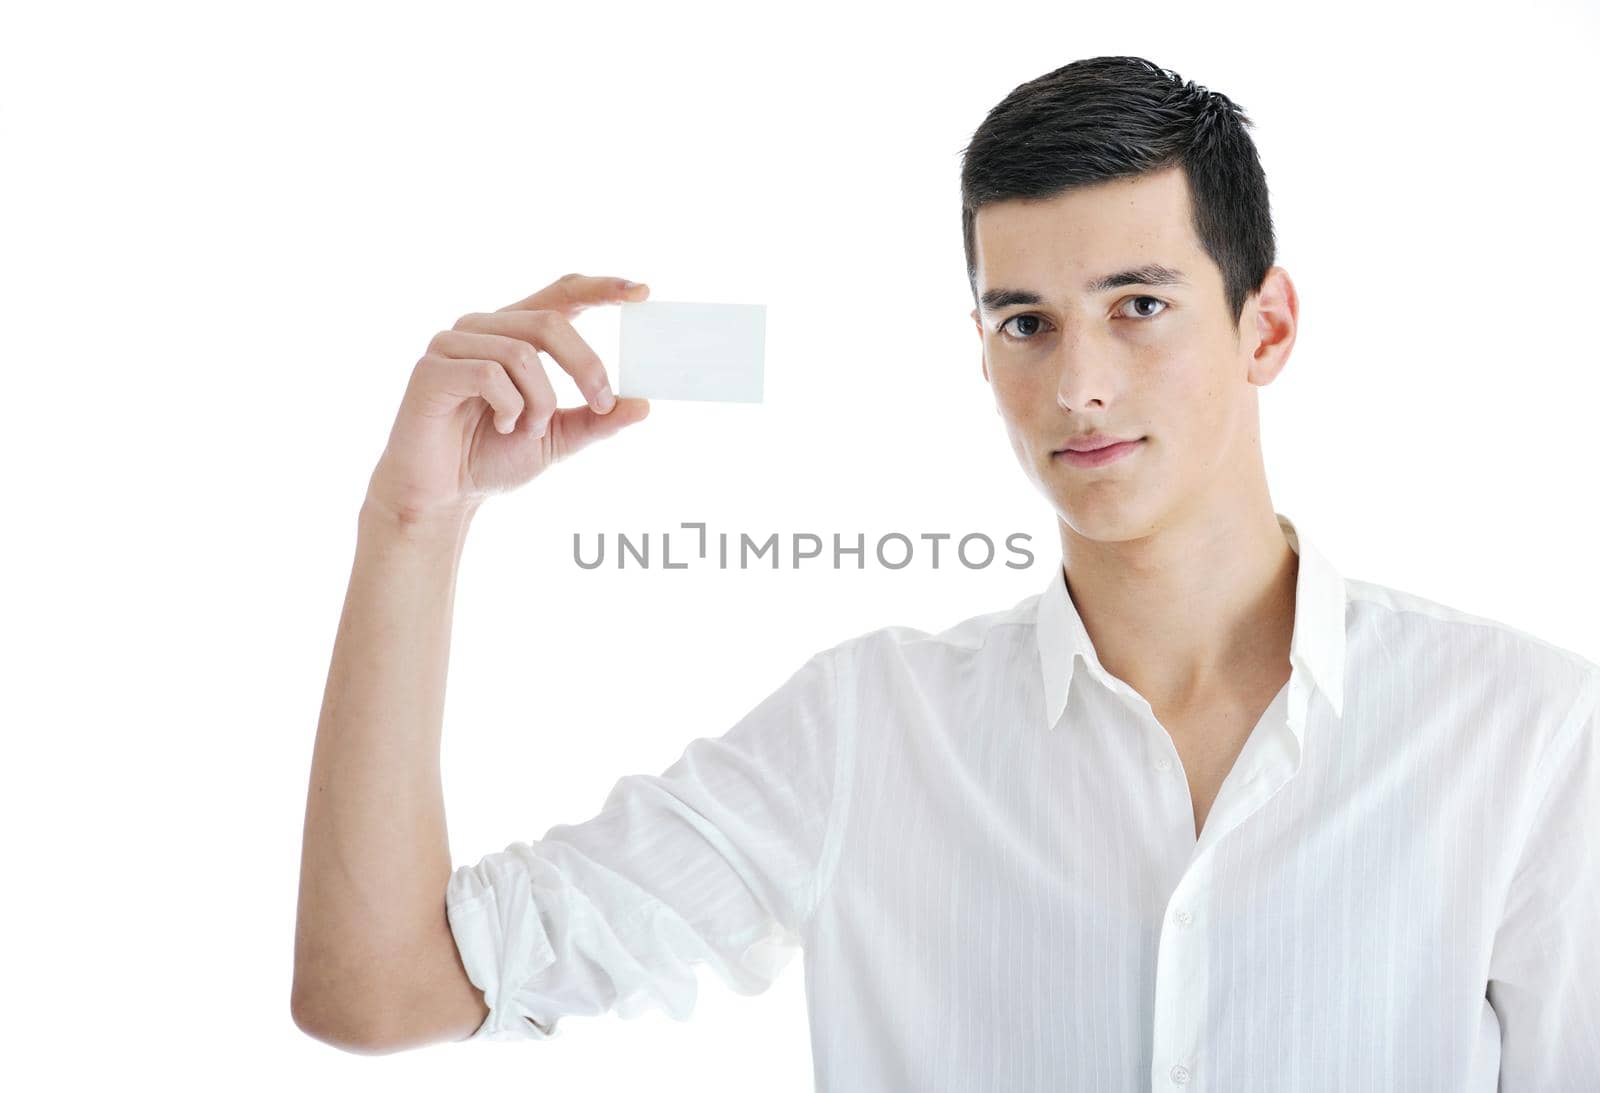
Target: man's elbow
332 1026
327 1025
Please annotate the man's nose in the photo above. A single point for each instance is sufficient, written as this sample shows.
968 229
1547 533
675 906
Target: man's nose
1085 374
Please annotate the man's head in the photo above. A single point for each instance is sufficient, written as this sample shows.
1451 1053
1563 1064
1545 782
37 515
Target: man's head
1102 167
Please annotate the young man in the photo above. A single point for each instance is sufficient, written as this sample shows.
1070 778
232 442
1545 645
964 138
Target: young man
1202 813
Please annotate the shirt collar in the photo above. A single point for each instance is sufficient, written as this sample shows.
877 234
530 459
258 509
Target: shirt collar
1317 646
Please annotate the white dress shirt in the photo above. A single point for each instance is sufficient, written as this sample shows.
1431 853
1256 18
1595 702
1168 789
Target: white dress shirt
983 843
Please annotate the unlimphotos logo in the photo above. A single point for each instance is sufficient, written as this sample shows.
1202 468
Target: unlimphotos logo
893 550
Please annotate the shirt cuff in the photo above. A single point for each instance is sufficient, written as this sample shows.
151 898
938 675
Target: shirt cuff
497 926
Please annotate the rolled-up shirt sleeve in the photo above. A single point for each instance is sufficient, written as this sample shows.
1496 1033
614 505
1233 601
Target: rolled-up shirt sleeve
719 859
1544 971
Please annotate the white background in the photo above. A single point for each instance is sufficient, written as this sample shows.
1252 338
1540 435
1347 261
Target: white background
229 234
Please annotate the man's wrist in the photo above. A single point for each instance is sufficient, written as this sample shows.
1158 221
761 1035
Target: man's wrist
448 522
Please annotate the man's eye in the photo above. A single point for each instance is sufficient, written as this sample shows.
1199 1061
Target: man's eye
1017 318
1146 299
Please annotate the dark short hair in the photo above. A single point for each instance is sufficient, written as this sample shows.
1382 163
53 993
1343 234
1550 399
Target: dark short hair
1104 118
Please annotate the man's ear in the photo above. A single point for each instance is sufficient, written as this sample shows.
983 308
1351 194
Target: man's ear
1276 318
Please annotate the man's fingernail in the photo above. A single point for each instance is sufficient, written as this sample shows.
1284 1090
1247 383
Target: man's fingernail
605 400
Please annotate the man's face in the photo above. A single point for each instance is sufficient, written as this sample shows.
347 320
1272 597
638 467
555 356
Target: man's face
1163 363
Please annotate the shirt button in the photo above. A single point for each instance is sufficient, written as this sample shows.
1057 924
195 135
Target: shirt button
1182 918
1180 1075
1163 763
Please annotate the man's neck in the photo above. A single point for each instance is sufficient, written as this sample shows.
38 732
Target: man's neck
1189 613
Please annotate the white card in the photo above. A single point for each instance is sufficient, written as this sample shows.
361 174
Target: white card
706 352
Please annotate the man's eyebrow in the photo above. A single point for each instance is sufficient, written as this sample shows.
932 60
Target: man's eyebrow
1150 274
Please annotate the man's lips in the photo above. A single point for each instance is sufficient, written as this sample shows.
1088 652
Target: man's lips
1096 441
1101 456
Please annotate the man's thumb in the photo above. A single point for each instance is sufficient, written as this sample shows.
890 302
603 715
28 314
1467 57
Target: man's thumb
580 426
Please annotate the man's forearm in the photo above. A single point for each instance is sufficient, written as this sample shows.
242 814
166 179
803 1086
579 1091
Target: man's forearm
375 858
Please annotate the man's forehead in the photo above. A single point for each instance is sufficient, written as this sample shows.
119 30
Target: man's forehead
1098 225
1058 259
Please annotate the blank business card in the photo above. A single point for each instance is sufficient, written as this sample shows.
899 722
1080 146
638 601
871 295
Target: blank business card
705 352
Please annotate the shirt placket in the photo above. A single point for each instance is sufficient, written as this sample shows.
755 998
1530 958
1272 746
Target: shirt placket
1269 759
